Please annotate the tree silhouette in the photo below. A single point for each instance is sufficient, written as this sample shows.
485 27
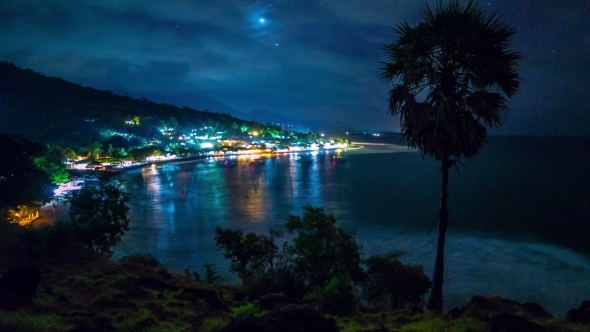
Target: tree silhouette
452 75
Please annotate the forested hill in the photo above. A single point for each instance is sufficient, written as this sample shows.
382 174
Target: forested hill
52 110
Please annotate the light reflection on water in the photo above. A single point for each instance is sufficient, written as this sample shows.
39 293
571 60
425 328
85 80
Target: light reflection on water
390 198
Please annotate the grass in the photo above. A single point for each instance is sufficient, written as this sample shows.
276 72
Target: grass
25 322
249 309
77 290
214 324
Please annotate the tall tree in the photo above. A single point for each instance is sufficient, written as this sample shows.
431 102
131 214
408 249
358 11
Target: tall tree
99 217
22 183
52 162
452 74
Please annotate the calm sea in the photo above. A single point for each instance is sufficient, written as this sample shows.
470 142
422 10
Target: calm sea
520 212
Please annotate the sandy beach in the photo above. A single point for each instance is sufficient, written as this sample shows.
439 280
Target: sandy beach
48 216
367 147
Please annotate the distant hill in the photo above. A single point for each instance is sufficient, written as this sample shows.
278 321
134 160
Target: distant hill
52 110
190 100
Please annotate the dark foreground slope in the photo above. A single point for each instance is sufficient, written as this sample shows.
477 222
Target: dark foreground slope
92 293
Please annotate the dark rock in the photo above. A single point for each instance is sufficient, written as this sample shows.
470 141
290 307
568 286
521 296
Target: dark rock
484 308
273 301
292 318
580 315
534 310
209 296
248 324
454 313
165 275
303 317
513 323
155 284
21 282
18 287
478 300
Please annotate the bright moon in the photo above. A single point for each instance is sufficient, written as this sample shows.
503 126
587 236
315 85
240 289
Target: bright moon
261 20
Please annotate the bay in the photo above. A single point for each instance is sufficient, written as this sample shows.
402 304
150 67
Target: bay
520 212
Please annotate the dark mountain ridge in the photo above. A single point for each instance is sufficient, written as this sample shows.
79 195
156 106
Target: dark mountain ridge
52 110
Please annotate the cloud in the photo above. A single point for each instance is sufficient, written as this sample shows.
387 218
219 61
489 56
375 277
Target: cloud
305 56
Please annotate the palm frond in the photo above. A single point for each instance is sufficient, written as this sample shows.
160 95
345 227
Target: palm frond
461 57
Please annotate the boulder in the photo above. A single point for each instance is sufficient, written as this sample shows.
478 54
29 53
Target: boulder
292 318
19 286
580 315
164 274
454 313
534 310
155 284
513 323
485 308
273 301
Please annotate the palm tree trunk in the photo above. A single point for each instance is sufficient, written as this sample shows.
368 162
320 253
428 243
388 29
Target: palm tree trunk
435 302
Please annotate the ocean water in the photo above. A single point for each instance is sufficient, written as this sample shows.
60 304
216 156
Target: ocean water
520 212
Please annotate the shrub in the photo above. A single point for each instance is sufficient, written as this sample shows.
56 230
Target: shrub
336 297
99 217
97 220
391 283
323 250
320 257
255 258
57 237
211 274
145 259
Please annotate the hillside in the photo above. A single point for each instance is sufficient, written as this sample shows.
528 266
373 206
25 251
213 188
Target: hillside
52 110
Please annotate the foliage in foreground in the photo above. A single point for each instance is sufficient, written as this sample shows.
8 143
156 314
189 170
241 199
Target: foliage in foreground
22 183
390 283
99 217
322 265
97 220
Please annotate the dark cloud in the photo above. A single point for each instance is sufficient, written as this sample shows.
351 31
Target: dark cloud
297 58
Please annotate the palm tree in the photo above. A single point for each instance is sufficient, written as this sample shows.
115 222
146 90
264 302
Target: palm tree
452 75
94 150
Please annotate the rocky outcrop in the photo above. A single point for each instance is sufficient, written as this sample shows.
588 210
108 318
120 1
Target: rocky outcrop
513 323
207 295
19 286
580 315
292 318
502 315
486 308
274 301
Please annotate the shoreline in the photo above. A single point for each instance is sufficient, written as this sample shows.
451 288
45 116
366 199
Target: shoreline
355 148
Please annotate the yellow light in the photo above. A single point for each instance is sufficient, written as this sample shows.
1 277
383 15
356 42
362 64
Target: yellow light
255 133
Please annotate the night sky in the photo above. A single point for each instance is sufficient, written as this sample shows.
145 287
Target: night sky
314 59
